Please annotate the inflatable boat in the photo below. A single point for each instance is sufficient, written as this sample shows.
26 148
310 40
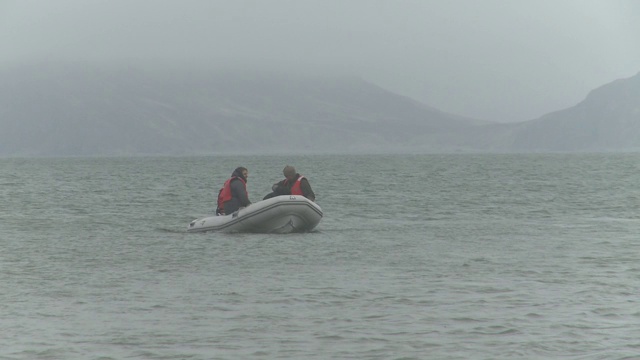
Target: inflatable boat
281 214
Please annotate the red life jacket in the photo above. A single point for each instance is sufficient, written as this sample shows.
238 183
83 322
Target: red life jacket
225 193
296 189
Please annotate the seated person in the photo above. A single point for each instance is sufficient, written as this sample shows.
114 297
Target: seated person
233 194
293 184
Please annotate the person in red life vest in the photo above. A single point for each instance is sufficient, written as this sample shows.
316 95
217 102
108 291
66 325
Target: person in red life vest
233 194
293 184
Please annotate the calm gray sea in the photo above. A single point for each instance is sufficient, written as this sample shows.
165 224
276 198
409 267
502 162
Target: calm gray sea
417 257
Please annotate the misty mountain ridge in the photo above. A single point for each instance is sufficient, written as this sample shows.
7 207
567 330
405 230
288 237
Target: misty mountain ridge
87 111
90 111
608 119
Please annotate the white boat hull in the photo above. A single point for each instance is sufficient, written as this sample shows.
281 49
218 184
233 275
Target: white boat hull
280 214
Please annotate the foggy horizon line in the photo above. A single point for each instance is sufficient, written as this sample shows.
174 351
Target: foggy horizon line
196 68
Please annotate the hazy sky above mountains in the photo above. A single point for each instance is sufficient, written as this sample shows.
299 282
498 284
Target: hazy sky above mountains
499 60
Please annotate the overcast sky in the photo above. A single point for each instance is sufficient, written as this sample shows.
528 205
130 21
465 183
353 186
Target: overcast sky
501 60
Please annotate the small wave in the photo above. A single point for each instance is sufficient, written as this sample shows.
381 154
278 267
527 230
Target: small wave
331 337
494 330
172 231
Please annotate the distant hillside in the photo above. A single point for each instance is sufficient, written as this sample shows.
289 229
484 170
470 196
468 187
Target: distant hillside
81 110
64 110
607 120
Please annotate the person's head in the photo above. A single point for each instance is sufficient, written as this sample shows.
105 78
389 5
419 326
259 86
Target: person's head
242 172
289 172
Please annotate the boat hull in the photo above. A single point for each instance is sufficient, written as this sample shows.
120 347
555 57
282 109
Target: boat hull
280 214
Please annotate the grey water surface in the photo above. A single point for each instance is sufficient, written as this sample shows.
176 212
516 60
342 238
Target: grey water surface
417 257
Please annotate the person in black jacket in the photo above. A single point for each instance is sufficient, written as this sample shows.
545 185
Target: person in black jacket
293 184
233 194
